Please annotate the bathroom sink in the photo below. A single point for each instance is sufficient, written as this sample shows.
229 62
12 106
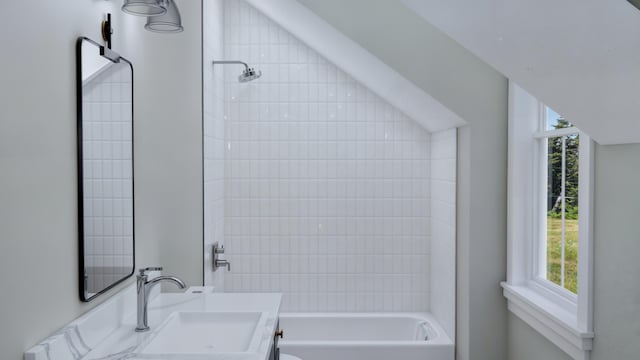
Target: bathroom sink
202 333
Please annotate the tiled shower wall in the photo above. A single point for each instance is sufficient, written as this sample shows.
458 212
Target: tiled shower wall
327 186
107 173
213 90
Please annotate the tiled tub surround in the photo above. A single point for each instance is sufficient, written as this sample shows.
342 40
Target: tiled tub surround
107 184
107 332
327 186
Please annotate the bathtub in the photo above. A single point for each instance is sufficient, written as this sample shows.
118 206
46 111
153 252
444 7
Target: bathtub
364 336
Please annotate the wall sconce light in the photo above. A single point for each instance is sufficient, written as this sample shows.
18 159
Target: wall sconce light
170 22
163 16
144 7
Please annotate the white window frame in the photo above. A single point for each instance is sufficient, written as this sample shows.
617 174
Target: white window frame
561 316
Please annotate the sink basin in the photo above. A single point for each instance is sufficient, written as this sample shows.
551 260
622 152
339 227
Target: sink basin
200 333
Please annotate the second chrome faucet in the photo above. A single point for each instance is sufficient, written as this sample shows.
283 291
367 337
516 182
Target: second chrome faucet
144 286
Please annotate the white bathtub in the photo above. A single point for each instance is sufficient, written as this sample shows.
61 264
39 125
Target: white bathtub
364 336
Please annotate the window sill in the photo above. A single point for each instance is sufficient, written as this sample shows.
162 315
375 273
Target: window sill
554 322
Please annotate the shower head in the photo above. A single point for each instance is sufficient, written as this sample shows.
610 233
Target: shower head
247 75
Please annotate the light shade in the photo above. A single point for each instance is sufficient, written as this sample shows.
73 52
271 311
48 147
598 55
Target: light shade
145 7
170 22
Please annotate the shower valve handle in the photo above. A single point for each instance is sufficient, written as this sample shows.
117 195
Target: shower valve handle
217 262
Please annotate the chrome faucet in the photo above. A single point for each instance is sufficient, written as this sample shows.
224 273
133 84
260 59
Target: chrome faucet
144 288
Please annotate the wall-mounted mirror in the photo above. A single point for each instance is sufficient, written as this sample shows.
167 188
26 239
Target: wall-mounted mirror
105 168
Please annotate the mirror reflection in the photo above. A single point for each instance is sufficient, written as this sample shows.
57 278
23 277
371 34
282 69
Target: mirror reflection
105 162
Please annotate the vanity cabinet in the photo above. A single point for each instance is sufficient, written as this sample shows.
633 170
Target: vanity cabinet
275 350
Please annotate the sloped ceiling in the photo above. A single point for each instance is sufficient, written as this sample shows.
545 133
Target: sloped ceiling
582 58
422 54
360 64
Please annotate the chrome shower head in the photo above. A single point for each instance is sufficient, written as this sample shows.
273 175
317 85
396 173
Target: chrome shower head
249 74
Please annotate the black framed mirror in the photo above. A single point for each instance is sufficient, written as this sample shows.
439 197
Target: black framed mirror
105 168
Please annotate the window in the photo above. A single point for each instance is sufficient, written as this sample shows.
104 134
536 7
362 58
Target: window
559 154
549 272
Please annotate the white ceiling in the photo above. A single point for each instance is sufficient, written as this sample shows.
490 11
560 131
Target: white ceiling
580 57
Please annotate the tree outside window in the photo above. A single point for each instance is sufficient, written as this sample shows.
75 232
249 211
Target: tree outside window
562 207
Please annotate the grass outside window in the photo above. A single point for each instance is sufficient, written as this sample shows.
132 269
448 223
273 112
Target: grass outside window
554 252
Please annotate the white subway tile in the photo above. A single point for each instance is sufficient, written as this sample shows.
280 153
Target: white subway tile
326 188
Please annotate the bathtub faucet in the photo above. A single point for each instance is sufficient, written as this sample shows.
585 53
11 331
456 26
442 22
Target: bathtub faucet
144 286
217 262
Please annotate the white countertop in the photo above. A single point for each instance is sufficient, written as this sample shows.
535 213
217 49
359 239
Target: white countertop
121 341
124 340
